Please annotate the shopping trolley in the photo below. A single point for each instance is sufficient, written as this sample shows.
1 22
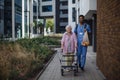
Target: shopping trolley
68 61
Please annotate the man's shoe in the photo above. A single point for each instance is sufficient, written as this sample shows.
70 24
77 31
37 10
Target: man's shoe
82 68
79 65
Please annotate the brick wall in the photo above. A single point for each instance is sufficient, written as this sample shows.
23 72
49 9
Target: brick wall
108 38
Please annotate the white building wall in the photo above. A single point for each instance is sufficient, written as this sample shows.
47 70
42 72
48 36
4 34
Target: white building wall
47 14
93 4
23 24
29 8
70 6
54 16
86 5
31 17
77 11
13 20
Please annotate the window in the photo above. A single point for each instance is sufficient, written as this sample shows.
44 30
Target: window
63 19
64 3
18 3
47 8
63 11
46 0
34 8
8 18
73 1
73 14
18 18
1 14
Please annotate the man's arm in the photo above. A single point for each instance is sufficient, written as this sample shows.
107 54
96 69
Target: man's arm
62 41
75 30
88 29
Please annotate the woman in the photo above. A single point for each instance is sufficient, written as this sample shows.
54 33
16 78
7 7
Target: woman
68 44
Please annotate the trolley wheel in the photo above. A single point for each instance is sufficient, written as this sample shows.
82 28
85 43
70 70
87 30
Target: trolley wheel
76 67
62 72
75 72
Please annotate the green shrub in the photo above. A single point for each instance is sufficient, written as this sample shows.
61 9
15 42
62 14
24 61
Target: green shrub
24 58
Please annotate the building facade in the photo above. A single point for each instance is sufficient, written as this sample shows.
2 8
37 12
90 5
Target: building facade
1 17
108 37
36 15
72 13
16 18
47 8
81 7
61 15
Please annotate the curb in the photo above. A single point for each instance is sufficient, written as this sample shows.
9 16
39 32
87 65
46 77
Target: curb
45 66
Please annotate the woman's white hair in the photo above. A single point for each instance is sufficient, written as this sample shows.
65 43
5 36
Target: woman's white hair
68 26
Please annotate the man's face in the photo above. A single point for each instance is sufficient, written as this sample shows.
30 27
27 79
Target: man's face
81 19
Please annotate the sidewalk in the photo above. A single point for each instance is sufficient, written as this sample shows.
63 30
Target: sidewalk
91 72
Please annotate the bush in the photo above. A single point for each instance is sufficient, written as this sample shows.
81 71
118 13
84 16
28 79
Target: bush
14 61
24 58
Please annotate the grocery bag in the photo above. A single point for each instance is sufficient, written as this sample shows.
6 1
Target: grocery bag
85 41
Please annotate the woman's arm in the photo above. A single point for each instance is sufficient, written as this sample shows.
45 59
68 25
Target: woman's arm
62 41
75 40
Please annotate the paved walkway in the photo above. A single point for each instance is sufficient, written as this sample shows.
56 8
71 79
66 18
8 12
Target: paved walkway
91 72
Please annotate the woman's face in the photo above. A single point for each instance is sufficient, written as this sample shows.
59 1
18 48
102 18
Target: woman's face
68 29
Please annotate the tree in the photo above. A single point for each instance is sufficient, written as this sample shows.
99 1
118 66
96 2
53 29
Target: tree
49 24
40 26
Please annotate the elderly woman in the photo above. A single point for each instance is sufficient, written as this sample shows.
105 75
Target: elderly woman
68 43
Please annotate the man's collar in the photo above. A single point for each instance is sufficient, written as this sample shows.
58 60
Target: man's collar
82 24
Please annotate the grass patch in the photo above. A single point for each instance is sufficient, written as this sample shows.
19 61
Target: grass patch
24 58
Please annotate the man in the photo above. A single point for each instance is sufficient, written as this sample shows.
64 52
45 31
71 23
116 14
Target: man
80 29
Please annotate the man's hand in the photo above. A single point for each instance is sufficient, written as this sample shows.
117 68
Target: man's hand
85 30
85 43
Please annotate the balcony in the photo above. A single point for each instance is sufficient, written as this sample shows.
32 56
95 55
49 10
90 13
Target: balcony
63 15
63 23
63 6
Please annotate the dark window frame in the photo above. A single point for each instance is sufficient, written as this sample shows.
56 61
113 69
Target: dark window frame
73 1
47 8
46 0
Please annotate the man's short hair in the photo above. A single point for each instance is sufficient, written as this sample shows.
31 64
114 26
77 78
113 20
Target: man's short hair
81 16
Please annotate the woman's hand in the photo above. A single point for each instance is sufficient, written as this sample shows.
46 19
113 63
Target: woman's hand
61 50
76 46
